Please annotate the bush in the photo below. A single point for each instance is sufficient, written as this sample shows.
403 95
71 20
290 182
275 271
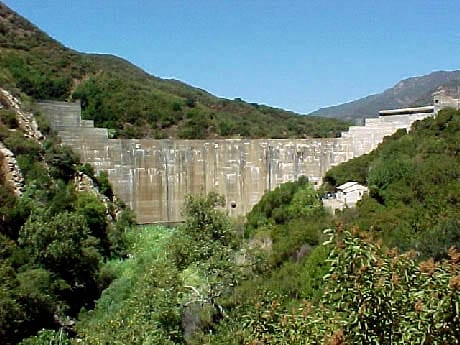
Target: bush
8 118
103 184
48 337
18 144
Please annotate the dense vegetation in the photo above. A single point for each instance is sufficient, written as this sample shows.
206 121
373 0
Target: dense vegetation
170 287
125 99
414 186
291 282
53 240
369 293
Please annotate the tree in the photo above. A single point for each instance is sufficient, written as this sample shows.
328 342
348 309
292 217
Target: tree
64 245
11 312
103 184
205 245
304 202
95 216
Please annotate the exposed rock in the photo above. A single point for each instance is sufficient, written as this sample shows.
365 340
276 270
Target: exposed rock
12 173
26 121
302 252
28 125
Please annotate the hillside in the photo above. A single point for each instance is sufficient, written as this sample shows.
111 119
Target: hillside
414 186
129 101
414 91
56 228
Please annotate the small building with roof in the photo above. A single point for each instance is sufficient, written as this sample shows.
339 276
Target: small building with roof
350 193
347 195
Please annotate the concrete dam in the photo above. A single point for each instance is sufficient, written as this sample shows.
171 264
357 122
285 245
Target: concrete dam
153 176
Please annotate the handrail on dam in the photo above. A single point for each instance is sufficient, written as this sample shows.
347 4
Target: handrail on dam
153 176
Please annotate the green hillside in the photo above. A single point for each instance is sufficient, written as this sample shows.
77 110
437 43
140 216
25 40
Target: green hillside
414 186
130 102
53 239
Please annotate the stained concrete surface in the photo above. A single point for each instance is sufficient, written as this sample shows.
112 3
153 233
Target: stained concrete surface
153 176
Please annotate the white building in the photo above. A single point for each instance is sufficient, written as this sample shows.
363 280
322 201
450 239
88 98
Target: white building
347 195
350 193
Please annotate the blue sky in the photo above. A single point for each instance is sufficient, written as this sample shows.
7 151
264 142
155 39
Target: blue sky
298 55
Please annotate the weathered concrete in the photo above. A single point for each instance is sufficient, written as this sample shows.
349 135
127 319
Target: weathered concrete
442 100
153 176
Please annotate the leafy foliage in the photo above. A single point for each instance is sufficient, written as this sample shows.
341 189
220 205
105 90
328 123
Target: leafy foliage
291 217
372 296
48 337
287 201
142 303
151 107
414 187
52 241
205 232
168 290
62 240
158 298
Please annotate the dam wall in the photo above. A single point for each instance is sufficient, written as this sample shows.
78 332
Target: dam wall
153 176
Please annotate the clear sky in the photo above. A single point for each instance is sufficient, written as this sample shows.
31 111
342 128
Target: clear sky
298 55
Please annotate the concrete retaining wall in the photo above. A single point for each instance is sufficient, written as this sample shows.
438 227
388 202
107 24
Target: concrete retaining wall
153 176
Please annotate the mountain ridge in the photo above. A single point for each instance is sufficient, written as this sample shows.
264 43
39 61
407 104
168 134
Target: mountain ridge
412 91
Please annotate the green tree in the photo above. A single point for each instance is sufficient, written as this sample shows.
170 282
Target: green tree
95 215
103 184
11 312
304 202
64 245
205 247
275 205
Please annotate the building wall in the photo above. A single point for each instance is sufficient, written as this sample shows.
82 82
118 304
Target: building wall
350 198
153 176
441 100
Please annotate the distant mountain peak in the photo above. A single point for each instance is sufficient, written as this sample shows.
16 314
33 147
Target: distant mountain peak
413 91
